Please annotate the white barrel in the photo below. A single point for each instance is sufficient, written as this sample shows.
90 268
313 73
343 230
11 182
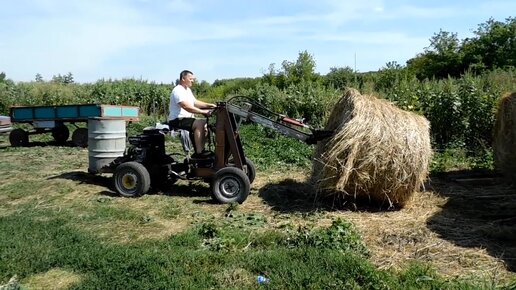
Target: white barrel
106 142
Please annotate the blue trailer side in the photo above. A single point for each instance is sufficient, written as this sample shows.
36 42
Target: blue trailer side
46 119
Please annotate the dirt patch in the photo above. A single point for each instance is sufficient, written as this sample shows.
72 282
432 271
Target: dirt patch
52 279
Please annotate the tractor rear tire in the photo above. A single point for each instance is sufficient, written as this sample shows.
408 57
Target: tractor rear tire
230 184
131 179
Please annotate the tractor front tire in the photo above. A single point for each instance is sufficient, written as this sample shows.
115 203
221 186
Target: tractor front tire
250 170
131 179
230 184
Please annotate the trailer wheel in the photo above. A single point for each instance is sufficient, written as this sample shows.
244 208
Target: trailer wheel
80 137
131 179
230 184
60 133
18 137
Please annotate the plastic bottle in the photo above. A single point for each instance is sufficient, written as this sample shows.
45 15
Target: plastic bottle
262 280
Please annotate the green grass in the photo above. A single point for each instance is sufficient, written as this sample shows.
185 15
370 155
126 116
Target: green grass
270 149
191 261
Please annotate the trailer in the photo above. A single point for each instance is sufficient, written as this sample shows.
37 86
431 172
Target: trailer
53 119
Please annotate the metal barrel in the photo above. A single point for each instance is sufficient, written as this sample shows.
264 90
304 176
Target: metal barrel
106 142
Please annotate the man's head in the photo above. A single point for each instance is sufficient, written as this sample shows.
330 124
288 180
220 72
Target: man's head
186 78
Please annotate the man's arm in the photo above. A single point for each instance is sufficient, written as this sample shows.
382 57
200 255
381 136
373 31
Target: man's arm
204 105
192 109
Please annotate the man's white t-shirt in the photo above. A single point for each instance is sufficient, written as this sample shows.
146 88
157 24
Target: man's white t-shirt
180 94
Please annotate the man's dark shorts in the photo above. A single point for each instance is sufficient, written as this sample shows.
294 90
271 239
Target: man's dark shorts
182 123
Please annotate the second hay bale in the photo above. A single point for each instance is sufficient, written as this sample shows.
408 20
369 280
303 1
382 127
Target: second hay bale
504 139
379 152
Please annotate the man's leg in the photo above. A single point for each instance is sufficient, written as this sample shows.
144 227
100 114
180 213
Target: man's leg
200 129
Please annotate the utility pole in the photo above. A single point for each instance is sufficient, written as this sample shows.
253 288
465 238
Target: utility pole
355 68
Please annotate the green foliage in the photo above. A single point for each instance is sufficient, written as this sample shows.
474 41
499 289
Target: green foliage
61 79
293 73
270 149
341 235
150 97
493 47
341 77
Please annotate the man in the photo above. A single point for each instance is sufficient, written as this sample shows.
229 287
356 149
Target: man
183 106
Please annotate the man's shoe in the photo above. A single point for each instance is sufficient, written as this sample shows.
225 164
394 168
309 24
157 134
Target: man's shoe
206 153
203 154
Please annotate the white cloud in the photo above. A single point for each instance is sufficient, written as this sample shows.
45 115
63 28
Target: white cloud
366 37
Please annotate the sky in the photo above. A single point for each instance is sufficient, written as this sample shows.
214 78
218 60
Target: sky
154 40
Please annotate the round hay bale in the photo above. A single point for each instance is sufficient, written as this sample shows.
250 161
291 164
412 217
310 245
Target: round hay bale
504 139
379 152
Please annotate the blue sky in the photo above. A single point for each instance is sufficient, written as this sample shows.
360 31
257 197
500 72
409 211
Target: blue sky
155 39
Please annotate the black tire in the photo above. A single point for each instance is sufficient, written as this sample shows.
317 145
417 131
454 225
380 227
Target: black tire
160 178
60 134
230 184
250 170
18 138
131 179
80 137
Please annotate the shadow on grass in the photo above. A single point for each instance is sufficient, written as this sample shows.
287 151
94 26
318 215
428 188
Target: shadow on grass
480 213
181 188
41 144
186 188
86 178
290 196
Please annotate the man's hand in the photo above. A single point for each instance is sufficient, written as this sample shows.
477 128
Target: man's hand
207 113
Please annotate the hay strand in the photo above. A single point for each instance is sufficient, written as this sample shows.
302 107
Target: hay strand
379 152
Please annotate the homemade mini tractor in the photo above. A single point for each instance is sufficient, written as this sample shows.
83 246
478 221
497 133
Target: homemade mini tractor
145 163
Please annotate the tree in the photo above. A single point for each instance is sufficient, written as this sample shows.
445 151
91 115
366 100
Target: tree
340 77
39 78
441 59
493 47
389 76
66 79
302 70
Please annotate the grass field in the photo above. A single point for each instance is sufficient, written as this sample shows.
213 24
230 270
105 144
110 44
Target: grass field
62 228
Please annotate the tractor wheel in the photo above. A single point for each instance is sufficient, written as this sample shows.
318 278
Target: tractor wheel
18 137
80 137
60 134
230 184
131 179
250 170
